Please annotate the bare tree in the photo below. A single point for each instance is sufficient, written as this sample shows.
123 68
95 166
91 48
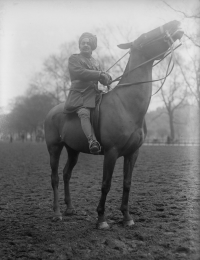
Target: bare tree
190 71
109 37
192 15
54 79
174 94
191 68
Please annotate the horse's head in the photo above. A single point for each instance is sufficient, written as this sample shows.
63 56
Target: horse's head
156 41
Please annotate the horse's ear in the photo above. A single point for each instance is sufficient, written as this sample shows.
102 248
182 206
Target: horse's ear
125 45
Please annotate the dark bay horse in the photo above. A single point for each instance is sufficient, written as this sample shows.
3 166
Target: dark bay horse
122 122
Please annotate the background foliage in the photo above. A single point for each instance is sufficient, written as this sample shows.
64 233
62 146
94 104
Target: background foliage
178 102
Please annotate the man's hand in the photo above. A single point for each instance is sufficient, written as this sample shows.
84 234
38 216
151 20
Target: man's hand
105 79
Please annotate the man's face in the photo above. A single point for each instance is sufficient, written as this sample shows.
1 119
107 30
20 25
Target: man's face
85 47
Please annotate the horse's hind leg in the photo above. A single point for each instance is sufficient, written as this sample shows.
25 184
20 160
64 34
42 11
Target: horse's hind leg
71 162
129 162
55 151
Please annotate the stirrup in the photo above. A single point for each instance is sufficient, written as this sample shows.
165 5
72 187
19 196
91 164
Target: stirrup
94 147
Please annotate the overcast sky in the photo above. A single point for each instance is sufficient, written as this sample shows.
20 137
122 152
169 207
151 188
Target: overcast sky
31 30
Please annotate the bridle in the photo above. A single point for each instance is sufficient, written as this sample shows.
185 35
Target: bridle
167 38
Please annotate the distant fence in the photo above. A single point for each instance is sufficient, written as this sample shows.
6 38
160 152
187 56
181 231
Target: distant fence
177 142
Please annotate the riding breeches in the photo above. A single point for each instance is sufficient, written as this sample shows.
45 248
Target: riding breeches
84 115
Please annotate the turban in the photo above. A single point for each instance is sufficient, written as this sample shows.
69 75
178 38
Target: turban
92 39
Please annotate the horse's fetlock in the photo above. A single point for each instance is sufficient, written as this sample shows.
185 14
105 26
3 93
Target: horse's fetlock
100 210
124 209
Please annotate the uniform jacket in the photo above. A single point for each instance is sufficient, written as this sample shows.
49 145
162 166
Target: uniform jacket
84 73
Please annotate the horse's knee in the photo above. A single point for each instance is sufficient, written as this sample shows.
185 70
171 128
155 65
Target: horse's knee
105 187
127 186
66 175
54 164
54 180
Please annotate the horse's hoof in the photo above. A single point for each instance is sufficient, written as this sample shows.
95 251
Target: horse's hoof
57 218
128 223
102 225
69 212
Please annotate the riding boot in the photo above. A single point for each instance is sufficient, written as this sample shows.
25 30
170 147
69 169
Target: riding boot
94 145
84 115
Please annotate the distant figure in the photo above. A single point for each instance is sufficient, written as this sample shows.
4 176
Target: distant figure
39 136
85 72
11 138
22 137
168 139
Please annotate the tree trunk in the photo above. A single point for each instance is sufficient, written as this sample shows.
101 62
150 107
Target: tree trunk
171 124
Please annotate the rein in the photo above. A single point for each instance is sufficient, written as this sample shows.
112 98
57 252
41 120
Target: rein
167 74
127 84
117 62
168 38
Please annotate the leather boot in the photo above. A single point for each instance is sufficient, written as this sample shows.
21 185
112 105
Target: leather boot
94 146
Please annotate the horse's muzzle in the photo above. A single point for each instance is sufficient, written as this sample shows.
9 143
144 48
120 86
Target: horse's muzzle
178 33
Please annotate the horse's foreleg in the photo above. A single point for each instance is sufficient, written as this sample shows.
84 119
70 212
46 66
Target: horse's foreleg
129 162
108 167
71 162
54 152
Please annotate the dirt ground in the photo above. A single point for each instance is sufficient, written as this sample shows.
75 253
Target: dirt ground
164 202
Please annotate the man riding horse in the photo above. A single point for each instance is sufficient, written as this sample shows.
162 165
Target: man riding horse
122 125
85 72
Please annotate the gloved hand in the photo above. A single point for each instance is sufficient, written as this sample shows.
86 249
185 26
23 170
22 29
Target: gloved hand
105 79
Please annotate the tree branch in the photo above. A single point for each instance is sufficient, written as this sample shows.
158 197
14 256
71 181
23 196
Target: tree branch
186 15
190 38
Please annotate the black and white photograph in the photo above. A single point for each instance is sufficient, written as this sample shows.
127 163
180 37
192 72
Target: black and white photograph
99 130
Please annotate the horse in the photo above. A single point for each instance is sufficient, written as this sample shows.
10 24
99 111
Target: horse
122 126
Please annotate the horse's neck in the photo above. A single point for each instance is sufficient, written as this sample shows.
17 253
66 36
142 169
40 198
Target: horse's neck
136 96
